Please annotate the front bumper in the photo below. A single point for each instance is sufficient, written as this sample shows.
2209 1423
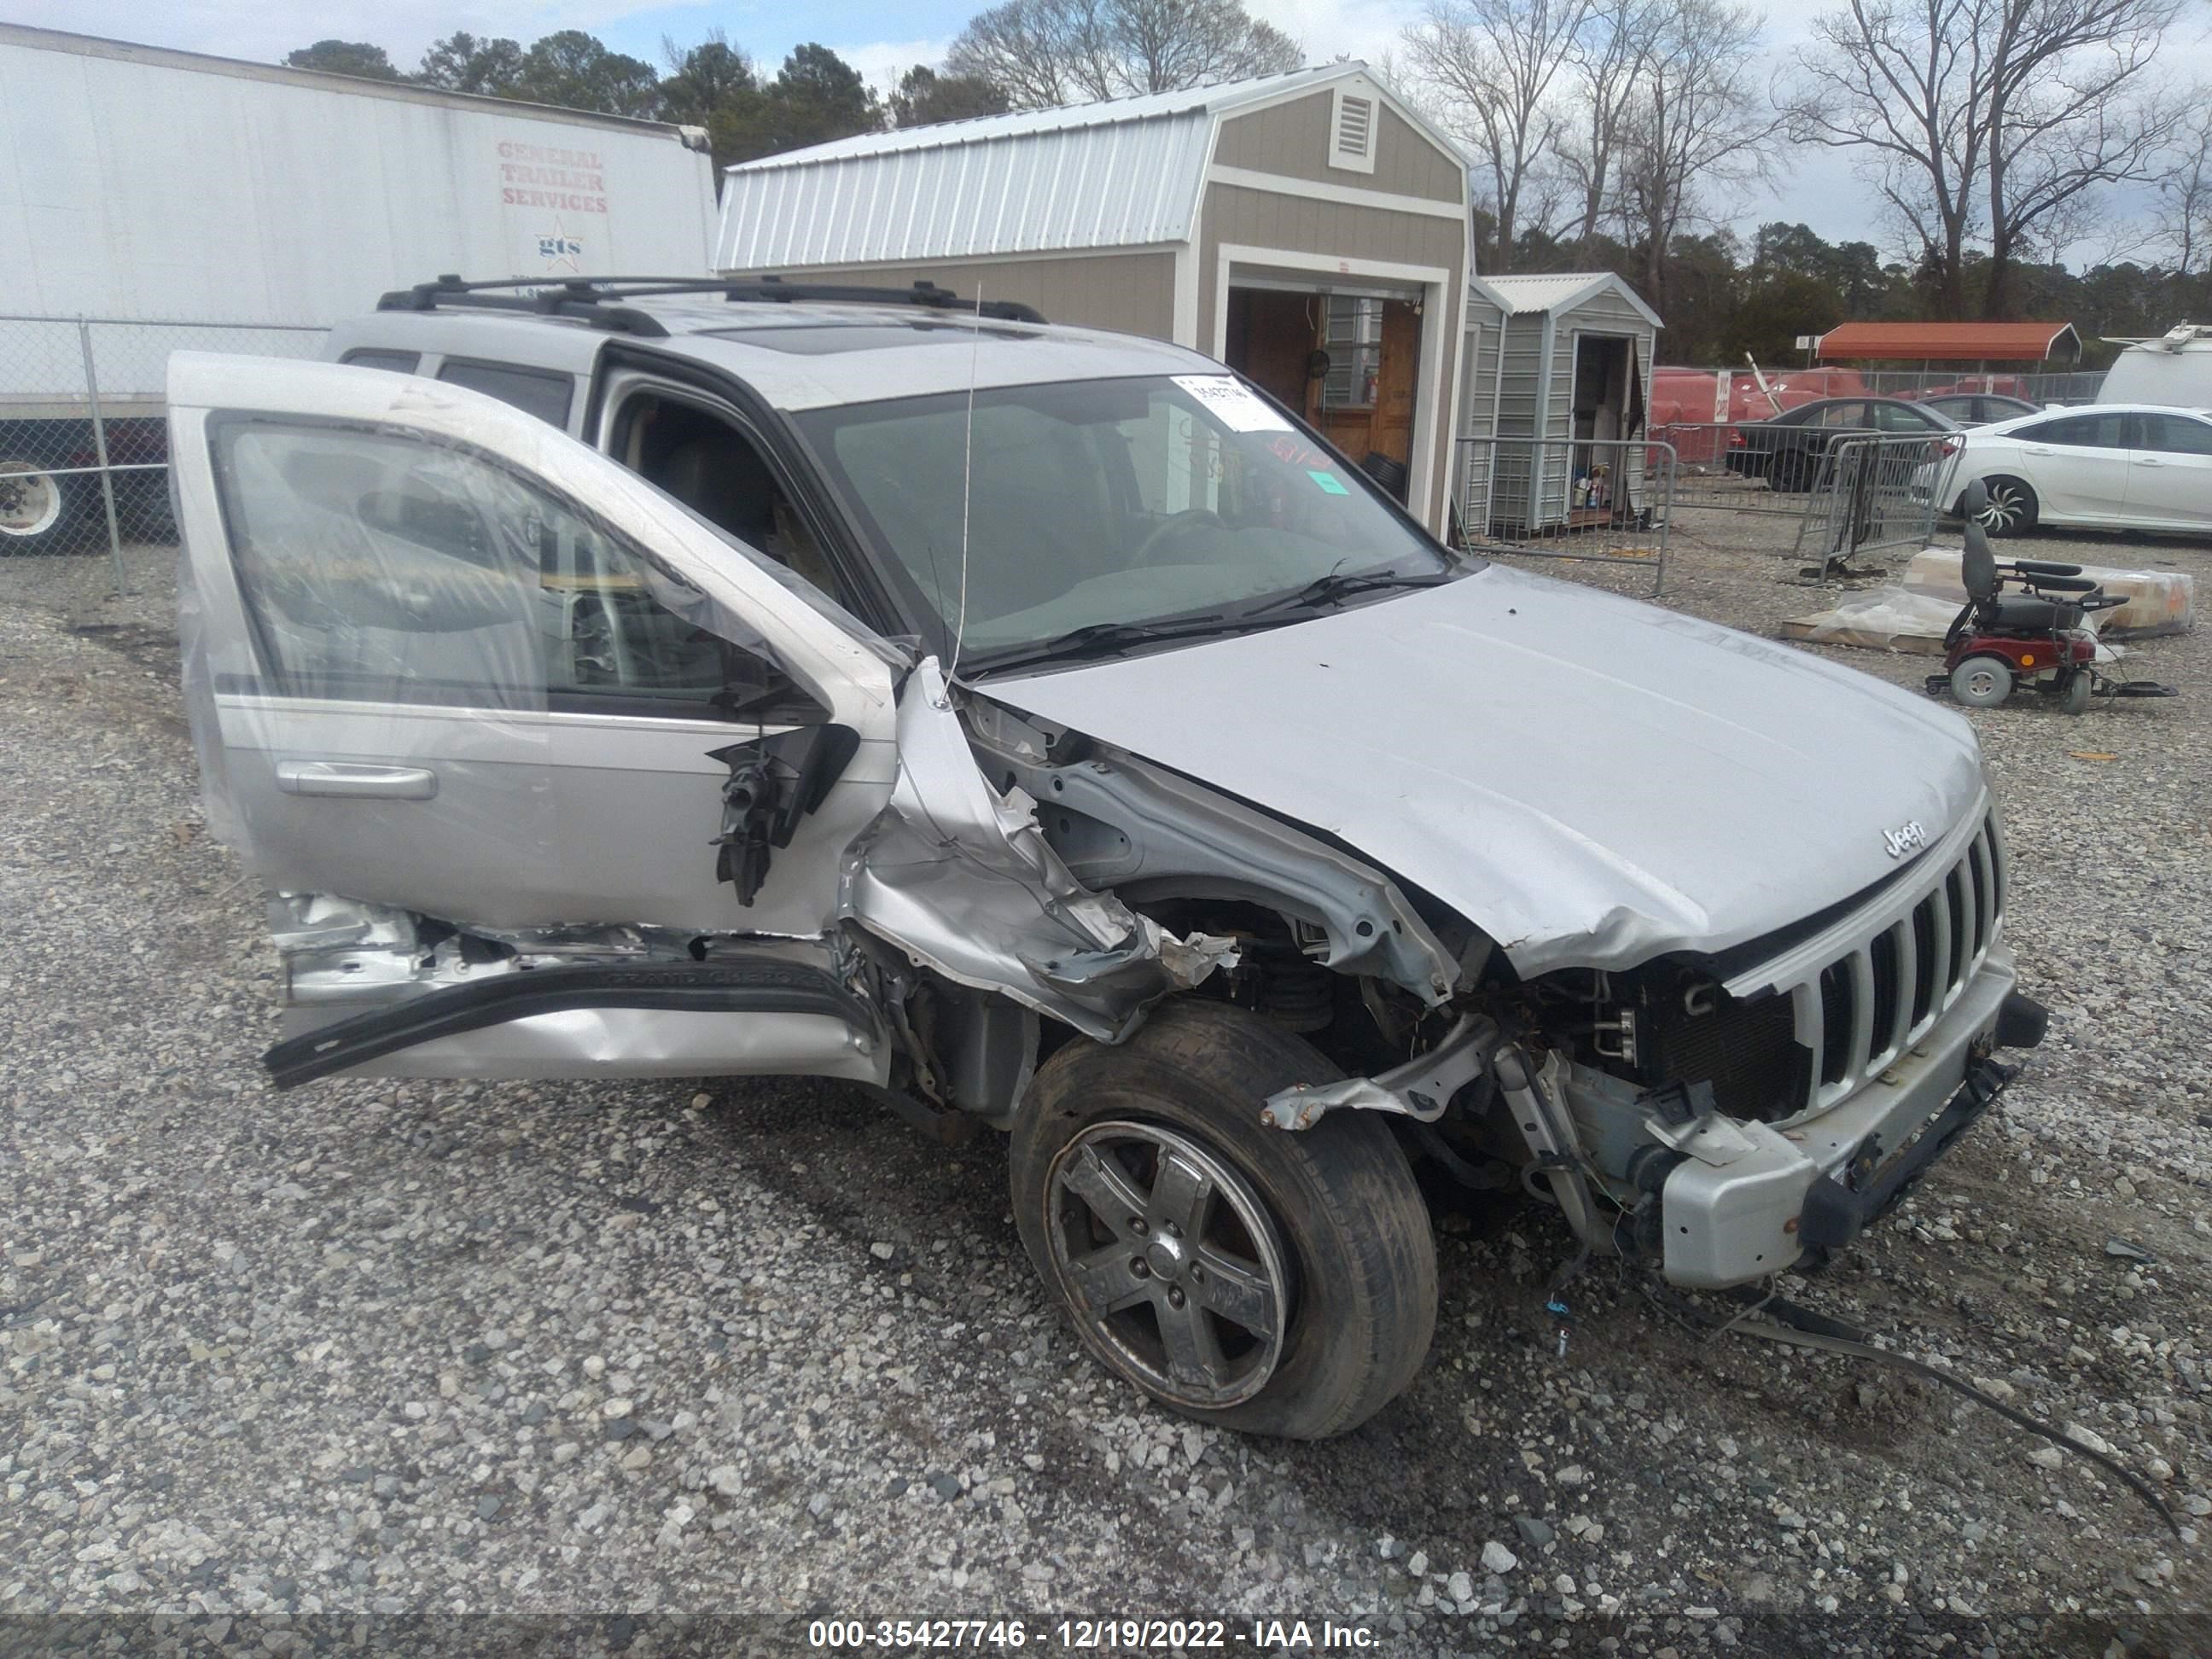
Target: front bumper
1815 1185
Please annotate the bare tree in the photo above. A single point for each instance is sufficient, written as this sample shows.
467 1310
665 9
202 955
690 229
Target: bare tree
2184 197
1489 67
1615 38
1040 53
1987 119
1694 129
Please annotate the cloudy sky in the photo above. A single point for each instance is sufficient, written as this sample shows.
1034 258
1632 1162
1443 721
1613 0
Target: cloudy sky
879 38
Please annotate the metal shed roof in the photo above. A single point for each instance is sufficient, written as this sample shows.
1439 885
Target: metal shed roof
1951 342
1124 173
1561 291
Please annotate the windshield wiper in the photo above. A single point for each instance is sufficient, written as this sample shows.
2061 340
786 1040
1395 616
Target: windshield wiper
1104 638
1343 584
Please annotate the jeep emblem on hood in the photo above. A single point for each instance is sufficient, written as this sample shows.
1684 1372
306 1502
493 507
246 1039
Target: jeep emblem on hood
1903 839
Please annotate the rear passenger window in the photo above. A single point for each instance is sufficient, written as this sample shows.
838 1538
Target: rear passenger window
2077 431
399 363
539 392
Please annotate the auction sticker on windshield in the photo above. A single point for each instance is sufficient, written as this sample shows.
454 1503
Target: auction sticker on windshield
1232 403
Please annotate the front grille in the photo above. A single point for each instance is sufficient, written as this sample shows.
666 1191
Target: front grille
1748 1051
1876 1000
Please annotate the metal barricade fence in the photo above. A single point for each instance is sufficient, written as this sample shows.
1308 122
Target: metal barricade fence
84 458
1719 470
1876 493
1603 500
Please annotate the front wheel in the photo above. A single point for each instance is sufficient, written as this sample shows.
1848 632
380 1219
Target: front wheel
1271 1281
2080 688
1982 682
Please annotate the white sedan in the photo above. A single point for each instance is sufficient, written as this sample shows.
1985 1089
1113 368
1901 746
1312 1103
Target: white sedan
2110 466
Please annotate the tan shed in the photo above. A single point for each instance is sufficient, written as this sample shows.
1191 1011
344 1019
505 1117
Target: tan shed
1308 230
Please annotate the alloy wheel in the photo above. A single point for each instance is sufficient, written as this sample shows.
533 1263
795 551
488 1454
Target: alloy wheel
1171 1261
2007 510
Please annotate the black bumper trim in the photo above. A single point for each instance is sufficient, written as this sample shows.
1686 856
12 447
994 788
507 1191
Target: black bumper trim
1835 1214
757 987
2022 1021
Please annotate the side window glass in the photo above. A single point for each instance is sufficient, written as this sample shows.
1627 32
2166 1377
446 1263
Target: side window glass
1844 417
399 363
714 468
537 391
2170 435
378 567
2079 431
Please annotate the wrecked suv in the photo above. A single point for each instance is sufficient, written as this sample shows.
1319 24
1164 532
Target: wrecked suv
1042 728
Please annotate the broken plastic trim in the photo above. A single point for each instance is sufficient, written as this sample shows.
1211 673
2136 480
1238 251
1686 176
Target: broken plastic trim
759 987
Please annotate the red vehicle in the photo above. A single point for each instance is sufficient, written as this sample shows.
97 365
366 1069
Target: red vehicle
1693 408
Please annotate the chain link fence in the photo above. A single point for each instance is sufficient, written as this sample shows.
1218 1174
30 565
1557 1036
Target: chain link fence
1590 501
2034 385
84 455
1735 388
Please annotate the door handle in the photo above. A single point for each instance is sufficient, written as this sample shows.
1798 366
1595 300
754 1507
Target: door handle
2149 460
2036 449
343 778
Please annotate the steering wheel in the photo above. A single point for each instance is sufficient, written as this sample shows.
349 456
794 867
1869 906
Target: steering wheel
1175 525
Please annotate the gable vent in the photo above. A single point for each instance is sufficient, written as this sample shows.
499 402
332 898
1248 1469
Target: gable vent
1351 131
1355 119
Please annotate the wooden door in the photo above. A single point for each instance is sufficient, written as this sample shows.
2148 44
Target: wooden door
1391 429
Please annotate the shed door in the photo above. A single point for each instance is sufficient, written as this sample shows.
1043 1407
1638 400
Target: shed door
1366 398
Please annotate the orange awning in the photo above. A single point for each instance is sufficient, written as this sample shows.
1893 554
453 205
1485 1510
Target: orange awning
1951 342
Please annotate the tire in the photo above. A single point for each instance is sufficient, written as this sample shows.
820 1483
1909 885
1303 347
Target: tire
36 509
2080 688
1788 473
2012 509
1323 1232
1982 682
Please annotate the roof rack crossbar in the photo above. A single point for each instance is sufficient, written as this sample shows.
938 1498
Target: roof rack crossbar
590 298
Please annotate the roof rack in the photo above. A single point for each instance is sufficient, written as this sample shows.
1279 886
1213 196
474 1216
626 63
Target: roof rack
596 299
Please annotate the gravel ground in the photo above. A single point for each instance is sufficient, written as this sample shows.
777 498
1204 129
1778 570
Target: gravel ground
755 1347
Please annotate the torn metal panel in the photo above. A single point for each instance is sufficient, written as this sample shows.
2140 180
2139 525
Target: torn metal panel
1421 1089
771 1010
645 1043
1118 820
961 878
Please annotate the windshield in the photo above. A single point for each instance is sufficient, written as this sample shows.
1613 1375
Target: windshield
1100 502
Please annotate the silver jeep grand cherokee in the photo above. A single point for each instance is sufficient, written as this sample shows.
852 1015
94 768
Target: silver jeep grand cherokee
1044 729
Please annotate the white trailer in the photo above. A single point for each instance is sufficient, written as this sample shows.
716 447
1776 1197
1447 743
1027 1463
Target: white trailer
156 194
2175 369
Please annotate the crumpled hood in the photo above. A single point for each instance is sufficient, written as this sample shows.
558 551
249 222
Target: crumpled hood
1590 780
